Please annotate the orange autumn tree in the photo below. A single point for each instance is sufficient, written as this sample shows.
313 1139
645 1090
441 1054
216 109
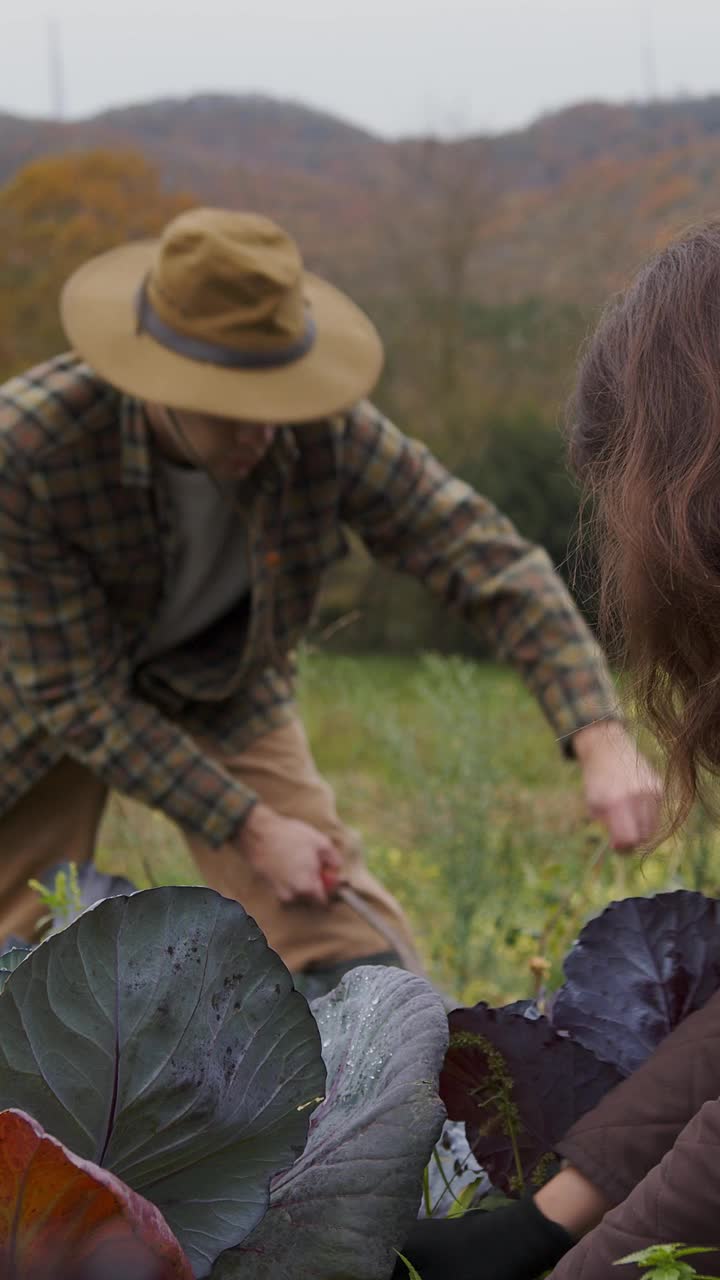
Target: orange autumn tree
55 213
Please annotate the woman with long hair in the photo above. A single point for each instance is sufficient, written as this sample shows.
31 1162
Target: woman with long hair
643 1167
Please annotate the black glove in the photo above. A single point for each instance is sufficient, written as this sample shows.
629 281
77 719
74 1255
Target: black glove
513 1243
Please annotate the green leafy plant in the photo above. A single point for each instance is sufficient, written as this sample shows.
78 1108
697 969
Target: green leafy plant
62 898
412 1273
664 1261
452 786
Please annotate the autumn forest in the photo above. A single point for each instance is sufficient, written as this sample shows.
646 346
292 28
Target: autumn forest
483 260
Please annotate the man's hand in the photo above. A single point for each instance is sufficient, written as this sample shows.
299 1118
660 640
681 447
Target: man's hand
291 855
622 790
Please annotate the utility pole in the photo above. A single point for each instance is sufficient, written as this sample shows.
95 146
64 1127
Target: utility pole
56 78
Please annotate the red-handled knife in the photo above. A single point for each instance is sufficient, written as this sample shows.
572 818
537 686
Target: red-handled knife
335 888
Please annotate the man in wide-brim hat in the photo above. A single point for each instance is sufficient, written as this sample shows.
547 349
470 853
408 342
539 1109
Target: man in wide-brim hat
171 492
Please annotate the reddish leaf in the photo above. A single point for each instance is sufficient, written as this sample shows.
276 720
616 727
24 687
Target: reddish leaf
518 1086
63 1218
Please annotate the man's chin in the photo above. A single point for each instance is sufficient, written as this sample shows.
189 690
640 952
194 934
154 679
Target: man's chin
227 473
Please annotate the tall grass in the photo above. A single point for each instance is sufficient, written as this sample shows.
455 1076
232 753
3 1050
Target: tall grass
469 814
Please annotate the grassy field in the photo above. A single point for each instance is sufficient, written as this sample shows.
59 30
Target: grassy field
469 815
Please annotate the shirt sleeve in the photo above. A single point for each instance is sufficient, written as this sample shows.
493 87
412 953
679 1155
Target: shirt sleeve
416 517
68 664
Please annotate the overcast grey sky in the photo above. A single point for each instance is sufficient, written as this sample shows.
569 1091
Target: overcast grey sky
394 66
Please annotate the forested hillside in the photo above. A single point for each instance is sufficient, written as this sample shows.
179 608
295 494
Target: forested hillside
483 260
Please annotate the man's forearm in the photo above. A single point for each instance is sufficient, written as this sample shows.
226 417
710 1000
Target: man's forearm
541 632
138 751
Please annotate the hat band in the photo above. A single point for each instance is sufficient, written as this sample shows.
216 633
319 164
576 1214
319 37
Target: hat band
148 321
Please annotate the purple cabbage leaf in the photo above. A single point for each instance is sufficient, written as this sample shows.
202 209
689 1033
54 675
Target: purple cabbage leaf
636 971
351 1198
159 1037
519 1086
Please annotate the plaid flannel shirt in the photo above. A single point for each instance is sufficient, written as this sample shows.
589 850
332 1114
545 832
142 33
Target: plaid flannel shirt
87 545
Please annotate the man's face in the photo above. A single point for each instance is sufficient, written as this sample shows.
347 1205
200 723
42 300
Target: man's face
225 447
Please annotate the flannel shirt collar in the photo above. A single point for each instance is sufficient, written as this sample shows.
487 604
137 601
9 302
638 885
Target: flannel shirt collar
135 435
137 466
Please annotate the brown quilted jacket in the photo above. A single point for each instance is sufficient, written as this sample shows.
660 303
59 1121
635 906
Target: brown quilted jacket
653 1146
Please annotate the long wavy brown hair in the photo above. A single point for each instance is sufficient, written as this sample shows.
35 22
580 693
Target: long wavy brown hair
645 442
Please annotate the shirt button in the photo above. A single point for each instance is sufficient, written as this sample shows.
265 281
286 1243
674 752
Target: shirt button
272 559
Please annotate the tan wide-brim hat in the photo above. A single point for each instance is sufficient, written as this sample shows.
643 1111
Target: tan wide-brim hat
219 317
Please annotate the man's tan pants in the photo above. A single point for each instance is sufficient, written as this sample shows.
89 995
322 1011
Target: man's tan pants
59 819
